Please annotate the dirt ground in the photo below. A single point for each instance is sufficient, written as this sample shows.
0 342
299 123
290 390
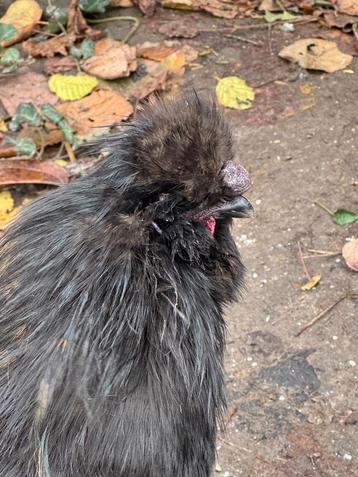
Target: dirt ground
293 401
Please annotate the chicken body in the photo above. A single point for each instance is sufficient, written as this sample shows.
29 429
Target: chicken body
112 290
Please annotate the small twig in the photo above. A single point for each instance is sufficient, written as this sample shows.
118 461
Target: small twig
70 152
319 316
120 18
308 276
60 151
269 36
43 145
43 32
324 253
246 40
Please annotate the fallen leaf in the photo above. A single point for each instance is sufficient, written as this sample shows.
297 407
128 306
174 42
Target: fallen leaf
283 16
178 29
48 48
23 88
316 54
58 65
235 93
43 137
93 6
161 50
350 254
101 108
24 16
312 282
145 6
344 217
339 21
72 87
180 4
170 68
24 146
112 59
157 51
77 26
6 150
7 209
219 8
122 3
14 171
347 6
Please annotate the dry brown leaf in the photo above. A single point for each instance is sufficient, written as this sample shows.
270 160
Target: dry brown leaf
24 16
347 6
77 26
178 29
316 54
25 87
112 59
350 254
101 108
41 137
59 65
14 171
145 6
157 51
7 150
122 3
162 50
149 84
219 8
162 78
48 48
339 21
312 282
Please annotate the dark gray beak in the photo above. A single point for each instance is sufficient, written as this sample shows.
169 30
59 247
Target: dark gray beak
238 207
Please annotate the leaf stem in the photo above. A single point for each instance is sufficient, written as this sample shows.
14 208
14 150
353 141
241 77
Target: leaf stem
323 207
135 20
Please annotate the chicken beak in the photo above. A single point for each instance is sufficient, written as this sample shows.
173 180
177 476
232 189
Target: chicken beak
238 207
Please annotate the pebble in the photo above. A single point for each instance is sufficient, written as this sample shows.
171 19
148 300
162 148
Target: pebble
352 363
347 457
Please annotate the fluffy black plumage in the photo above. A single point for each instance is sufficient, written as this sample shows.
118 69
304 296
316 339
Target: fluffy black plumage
111 297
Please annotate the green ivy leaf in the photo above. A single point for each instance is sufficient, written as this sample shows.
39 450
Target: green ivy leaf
26 113
284 16
87 48
51 113
10 56
24 146
344 217
68 132
56 117
94 6
7 31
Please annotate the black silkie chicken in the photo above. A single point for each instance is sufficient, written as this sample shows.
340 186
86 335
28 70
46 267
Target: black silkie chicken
112 291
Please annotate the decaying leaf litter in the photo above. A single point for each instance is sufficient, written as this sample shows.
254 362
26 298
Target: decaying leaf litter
82 80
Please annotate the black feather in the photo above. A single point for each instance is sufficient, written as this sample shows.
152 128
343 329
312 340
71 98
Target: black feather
111 333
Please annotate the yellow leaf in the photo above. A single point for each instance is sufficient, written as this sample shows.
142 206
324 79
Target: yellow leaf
61 162
6 208
235 93
24 16
312 282
3 127
69 87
